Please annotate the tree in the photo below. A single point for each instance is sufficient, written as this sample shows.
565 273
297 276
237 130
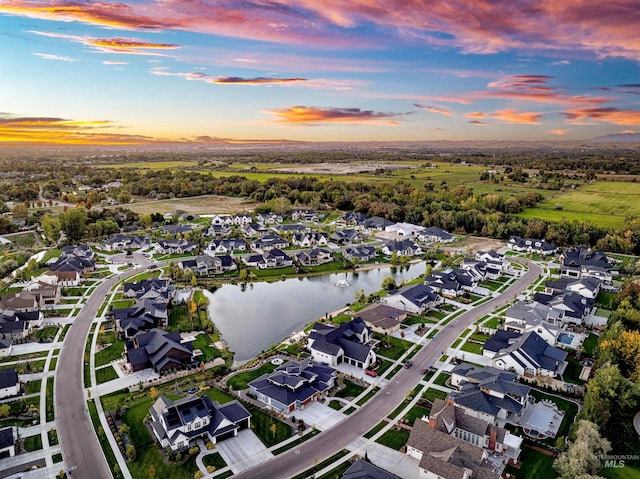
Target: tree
20 211
582 457
5 410
74 223
51 227
153 392
273 428
130 451
389 283
151 471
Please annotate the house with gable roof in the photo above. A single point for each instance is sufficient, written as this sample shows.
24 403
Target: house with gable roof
225 246
205 265
527 355
177 424
582 262
434 234
587 286
144 316
382 318
531 245
488 393
314 257
9 383
176 246
447 417
415 299
443 456
294 385
122 242
268 242
346 343
360 253
376 223
8 439
404 247
159 350
362 469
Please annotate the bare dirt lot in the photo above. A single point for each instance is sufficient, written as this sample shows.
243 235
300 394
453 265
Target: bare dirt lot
199 205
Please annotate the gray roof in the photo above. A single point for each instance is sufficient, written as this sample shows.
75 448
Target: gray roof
330 339
362 469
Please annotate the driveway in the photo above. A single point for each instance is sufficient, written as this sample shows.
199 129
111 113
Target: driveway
243 451
318 414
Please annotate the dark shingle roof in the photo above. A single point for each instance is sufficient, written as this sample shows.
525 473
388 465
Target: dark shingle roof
8 378
365 470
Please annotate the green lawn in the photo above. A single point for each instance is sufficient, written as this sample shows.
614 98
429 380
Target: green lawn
262 425
218 395
123 303
33 443
533 465
626 472
367 396
442 379
111 353
590 343
471 347
204 344
572 372
418 320
431 394
48 332
241 380
351 390
394 439
106 374
416 412
391 347
49 400
34 386
214 460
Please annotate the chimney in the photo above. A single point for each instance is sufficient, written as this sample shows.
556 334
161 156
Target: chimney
432 421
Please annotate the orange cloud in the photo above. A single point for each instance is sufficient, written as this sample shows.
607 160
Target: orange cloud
475 114
222 80
613 115
434 109
315 115
112 45
51 130
521 117
559 132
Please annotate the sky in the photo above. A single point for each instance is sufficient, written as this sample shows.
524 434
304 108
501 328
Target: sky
143 72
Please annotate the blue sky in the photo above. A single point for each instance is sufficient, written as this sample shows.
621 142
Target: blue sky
317 70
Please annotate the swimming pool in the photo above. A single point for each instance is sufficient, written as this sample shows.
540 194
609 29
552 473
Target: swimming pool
566 338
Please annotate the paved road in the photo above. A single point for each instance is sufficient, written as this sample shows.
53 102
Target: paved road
385 401
78 439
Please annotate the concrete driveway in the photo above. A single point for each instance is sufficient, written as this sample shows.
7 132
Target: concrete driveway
243 451
320 415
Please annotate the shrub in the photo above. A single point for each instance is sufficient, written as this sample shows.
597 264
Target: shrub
210 446
211 469
194 450
198 475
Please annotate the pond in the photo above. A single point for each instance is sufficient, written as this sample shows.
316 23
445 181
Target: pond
254 316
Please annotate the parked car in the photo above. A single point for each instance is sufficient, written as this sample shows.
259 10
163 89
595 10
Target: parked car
371 373
408 364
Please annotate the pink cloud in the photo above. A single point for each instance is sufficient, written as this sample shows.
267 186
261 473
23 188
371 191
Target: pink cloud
520 117
613 115
559 132
316 115
434 109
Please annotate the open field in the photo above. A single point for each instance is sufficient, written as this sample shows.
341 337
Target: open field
603 203
196 205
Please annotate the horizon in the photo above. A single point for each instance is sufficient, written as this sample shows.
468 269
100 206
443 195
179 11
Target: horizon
153 72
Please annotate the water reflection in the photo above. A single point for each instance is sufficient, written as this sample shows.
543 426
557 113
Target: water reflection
253 318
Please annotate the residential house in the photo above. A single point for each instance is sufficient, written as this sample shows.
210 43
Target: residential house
524 317
304 215
5 347
159 350
293 385
274 258
443 456
9 383
527 355
152 288
346 343
362 469
17 325
46 294
269 242
568 308
346 236
225 246
205 265
314 257
404 247
587 287
254 230
241 219
269 218
444 284
403 229
488 393
531 245
20 301
361 254
8 438
177 424
220 220
433 234
218 231
144 316
307 240
122 242
71 266
176 246
582 262
376 223
291 229
172 229
381 318
354 218
414 299
450 419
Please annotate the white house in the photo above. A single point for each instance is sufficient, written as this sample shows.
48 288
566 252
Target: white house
346 343
414 299
9 383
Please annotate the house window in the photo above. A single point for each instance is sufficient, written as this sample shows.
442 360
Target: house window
180 444
196 425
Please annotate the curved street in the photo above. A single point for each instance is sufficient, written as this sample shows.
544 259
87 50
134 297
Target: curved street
76 434
324 445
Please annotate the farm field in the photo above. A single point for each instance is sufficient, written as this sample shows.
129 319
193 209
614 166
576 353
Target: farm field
604 203
196 205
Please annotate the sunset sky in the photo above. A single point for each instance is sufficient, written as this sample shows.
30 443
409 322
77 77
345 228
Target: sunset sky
317 70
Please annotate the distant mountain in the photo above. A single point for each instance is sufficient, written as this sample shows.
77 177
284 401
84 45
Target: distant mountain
618 138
